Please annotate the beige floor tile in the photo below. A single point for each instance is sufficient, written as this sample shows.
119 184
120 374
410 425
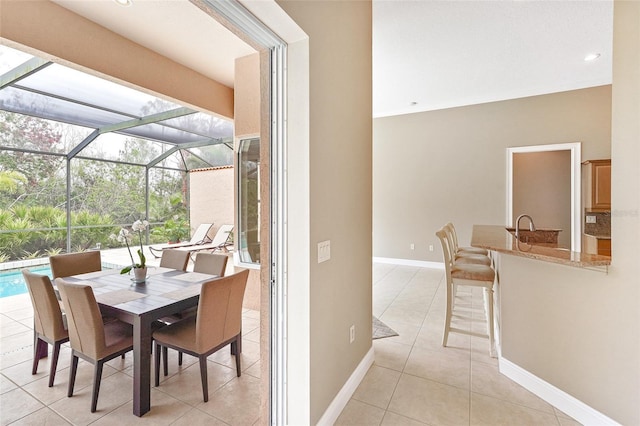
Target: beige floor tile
242 391
253 370
252 336
115 391
17 404
186 384
447 367
359 413
195 417
390 355
393 419
489 411
9 327
6 385
430 402
407 333
250 354
44 416
164 411
567 421
403 315
377 386
487 380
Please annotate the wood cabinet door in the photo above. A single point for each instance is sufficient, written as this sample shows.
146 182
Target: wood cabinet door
601 189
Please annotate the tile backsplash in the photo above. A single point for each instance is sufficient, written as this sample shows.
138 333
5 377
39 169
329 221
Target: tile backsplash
602 227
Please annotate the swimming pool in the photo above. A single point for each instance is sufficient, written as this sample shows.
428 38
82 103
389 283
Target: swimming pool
12 283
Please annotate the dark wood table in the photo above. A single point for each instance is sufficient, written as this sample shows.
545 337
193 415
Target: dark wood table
166 291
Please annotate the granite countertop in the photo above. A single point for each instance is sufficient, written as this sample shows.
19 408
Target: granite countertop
497 238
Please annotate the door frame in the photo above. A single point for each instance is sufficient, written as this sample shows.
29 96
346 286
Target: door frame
576 182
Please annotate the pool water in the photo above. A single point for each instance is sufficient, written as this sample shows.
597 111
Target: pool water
12 283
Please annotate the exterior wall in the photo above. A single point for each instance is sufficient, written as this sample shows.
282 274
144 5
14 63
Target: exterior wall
339 194
211 198
450 165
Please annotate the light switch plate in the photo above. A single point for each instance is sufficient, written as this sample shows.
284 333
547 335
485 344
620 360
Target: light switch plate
324 251
591 219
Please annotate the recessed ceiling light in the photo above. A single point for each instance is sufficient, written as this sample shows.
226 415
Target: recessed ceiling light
124 3
592 57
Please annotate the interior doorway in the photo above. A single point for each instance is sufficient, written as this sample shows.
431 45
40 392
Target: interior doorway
544 182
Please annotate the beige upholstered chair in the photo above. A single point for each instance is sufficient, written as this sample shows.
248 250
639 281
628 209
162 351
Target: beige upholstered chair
210 263
217 324
65 265
91 339
48 322
475 275
466 254
174 259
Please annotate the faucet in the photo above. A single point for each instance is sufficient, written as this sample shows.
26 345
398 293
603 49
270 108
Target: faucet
532 227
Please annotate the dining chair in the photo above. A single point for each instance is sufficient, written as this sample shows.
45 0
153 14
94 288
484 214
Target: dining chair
174 259
65 265
474 275
210 263
217 324
48 321
91 339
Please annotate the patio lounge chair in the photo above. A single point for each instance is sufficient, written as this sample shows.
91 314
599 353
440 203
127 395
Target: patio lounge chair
199 237
221 241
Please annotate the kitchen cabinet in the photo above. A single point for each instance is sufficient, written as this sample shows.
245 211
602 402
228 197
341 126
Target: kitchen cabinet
596 245
596 185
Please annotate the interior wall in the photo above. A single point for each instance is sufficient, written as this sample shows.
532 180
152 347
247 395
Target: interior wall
542 189
450 165
340 134
54 32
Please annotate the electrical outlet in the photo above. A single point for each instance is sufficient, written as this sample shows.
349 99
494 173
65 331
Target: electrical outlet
324 251
591 219
430 247
352 334
412 246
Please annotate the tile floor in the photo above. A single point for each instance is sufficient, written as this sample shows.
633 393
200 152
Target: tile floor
414 380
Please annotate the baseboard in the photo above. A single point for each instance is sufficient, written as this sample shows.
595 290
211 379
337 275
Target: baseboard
409 262
342 398
554 396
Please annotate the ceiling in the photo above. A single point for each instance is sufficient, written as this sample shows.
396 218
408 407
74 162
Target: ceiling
427 54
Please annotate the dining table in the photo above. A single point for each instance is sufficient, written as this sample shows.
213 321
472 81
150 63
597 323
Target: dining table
165 292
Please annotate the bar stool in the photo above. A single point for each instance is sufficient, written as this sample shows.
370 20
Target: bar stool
466 274
465 255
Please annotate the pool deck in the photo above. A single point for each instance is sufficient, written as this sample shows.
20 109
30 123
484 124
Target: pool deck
111 259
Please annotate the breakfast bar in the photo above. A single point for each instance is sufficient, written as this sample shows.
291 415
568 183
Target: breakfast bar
499 239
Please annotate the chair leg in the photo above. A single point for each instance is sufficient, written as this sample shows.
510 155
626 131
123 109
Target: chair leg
203 377
447 320
165 361
72 374
36 352
97 377
489 310
156 363
236 345
179 357
54 362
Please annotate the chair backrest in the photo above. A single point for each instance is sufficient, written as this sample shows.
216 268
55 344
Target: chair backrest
86 329
47 314
222 235
450 231
202 234
66 265
210 263
174 259
446 251
219 316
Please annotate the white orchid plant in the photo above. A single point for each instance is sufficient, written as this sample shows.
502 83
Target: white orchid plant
126 236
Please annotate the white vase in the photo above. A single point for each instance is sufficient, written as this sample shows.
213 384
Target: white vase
140 274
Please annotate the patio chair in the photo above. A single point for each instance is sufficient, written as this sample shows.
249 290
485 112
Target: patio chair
221 241
91 339
48 321
174 259
201 236
217 324
65 265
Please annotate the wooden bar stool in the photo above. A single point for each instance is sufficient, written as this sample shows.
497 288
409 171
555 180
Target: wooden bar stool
466 274
463 255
